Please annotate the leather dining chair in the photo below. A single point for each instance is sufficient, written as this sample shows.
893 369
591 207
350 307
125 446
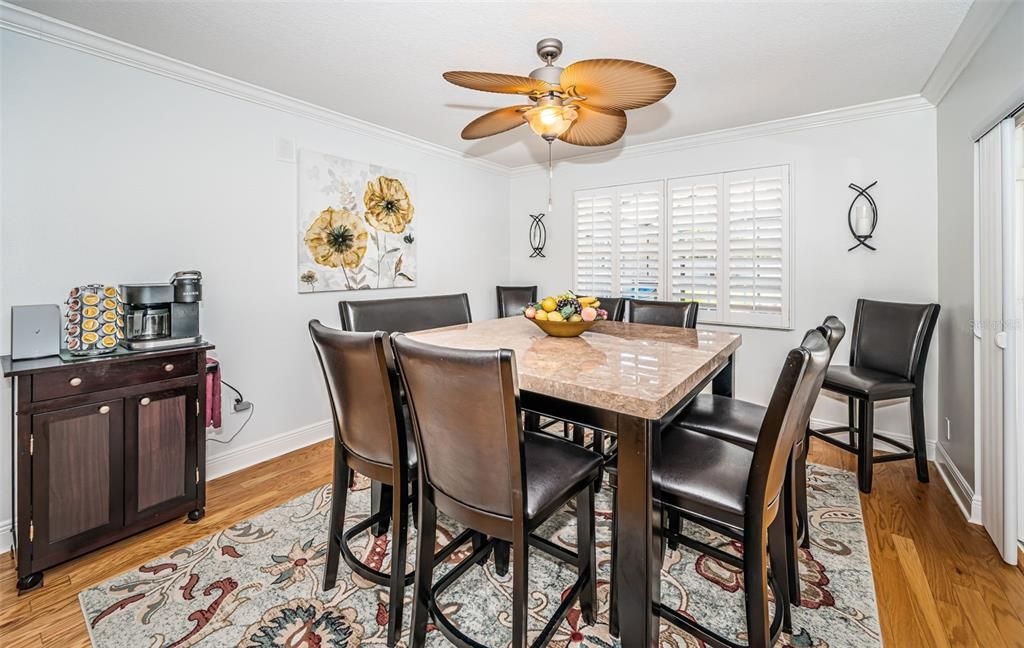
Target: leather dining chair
738 492
479 467
371 436
513 299
404 314
401 314
888 352
739 422
615 306
663 313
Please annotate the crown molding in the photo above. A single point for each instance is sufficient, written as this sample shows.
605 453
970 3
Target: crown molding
871 110
978 23
42 27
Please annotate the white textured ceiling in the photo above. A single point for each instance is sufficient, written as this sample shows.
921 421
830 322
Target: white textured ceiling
737 62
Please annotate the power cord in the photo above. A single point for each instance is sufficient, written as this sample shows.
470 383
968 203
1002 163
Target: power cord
239 405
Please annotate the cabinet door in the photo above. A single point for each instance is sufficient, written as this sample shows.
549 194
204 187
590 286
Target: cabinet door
77 496
160 452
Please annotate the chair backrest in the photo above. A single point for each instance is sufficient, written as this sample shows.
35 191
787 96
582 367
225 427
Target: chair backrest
404 314
893 337
834 331
681 313
616 307
465 412
513 299
787 417
362 394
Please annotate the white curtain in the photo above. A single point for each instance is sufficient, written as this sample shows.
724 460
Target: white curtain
995 343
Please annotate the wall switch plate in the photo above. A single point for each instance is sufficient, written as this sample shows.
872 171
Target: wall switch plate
284 150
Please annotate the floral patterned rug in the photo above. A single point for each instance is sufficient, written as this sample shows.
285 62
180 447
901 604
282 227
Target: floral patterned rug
258 585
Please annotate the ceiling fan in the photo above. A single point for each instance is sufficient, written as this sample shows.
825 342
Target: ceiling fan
582 104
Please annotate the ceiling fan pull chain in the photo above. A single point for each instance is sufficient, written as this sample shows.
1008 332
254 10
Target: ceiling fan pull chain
551 175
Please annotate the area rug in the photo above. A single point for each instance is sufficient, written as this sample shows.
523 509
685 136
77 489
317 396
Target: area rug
258 584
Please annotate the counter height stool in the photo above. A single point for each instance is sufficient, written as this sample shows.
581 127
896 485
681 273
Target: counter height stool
513 299
738 492
888 351
739 422
615 306
371 436
682 314
478 466
400 314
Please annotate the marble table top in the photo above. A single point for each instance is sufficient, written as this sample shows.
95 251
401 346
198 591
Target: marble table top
634 369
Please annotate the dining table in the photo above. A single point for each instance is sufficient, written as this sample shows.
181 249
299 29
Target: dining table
628 380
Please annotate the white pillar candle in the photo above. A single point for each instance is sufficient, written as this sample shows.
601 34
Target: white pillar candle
862 219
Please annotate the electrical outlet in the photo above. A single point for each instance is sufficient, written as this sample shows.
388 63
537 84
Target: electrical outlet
948 433
242 405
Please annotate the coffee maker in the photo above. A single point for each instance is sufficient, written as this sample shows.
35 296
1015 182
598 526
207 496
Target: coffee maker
158 316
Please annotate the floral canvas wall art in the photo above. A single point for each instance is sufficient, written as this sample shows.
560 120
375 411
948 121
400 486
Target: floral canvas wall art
356 225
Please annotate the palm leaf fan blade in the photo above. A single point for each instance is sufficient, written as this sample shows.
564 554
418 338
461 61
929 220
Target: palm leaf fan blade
617 83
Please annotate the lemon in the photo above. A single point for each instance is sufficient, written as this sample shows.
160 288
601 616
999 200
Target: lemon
549 304
555 317
575 317
541 315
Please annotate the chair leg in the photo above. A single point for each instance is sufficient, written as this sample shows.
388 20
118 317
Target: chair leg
501 552
399 543
613 608
424 572
339 496
780 568
851 419
599 449
587 552
917 428
802 514
380 500
478 541
520 591
755 578
865 451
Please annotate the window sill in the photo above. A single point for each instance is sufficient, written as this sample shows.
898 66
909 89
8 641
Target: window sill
766 327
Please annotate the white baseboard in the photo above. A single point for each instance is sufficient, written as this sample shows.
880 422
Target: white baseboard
235 459
902 437
962 492
6 535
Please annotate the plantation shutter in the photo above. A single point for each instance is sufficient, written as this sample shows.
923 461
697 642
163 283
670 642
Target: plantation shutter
757 221
594 244
694 210
639 245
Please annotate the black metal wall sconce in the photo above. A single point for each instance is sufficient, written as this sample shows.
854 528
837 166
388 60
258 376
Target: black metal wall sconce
862 222
538 235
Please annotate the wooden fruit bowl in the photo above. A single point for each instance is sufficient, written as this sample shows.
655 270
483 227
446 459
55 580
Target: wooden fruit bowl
563 329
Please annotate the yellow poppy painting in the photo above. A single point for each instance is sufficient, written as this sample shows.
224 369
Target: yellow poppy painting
356 223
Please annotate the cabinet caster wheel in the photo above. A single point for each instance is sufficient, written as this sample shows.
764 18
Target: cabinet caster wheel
30 582
196 515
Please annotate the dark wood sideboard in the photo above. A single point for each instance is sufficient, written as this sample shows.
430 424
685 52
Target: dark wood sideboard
103 448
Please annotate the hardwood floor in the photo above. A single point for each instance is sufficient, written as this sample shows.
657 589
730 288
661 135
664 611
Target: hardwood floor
939 580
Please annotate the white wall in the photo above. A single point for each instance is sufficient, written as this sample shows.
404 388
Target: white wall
112 174
897 150
989 87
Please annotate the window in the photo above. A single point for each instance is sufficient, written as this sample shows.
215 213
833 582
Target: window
720 239
618 240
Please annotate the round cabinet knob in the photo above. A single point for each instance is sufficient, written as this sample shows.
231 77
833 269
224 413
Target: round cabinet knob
104 409
75 382
168 367
145 401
